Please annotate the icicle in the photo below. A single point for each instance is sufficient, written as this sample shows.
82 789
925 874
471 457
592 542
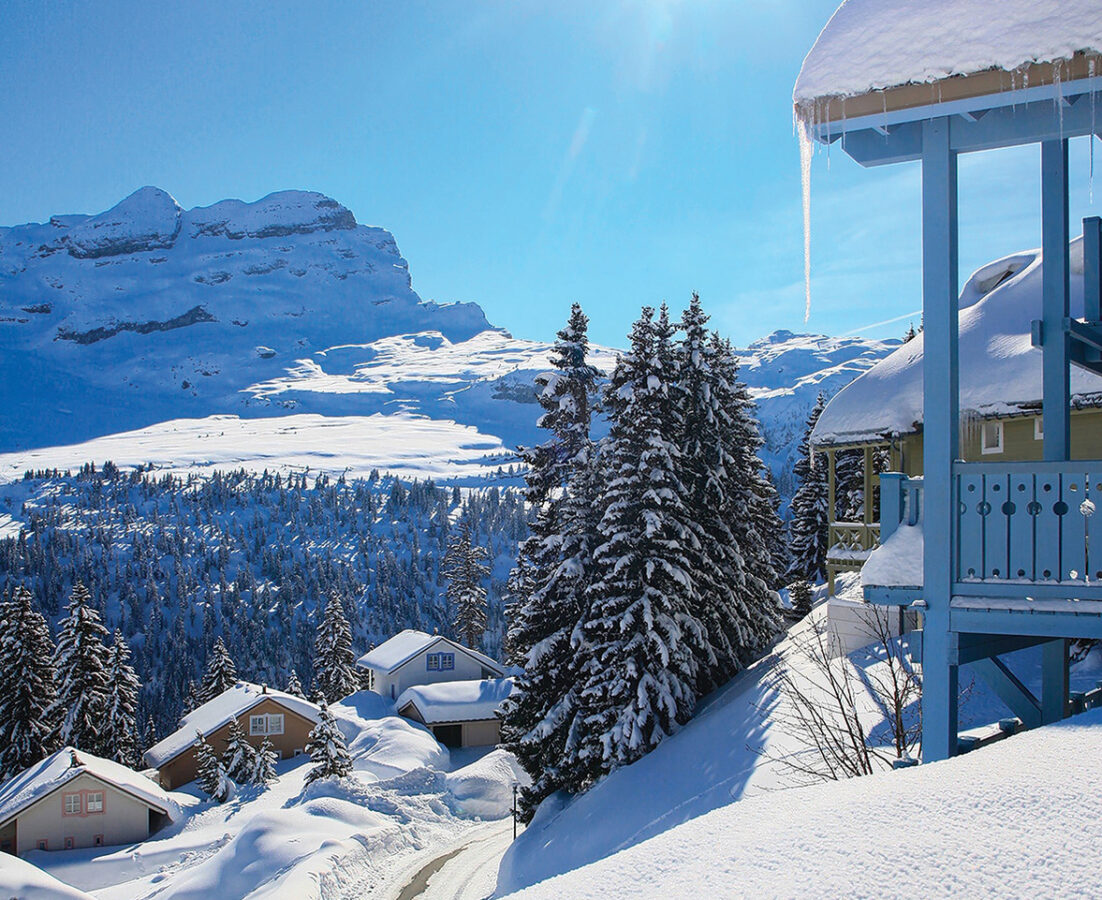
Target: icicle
805 184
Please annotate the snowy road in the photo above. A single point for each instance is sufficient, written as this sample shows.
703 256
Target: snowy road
465 872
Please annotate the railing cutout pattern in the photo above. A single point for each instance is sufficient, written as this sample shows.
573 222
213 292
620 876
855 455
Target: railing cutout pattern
1029 522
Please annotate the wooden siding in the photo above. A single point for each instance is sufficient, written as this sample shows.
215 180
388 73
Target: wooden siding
296 730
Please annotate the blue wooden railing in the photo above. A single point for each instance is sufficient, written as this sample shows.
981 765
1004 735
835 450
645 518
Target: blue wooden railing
1029 529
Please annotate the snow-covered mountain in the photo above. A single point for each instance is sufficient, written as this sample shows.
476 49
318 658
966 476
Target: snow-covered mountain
141 329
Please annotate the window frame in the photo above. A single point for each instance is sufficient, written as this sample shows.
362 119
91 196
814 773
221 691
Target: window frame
88 795
1039 428
262 724
1000 431
72 803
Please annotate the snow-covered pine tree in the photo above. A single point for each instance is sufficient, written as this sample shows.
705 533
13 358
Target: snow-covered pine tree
327 749
547 585
149 733
28 726
191 700
221 674
81 663
264 761
809 526
466 571
119 738
800 594
294 686
212 777
239 757
335 675
714 438
639 677
849 485
753 504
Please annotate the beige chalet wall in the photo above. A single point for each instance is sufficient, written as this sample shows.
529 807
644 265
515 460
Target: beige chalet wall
124 819
482 733
296 730
416 671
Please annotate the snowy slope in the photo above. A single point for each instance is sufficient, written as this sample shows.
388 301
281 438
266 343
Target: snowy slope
734 749
282 334
1019 819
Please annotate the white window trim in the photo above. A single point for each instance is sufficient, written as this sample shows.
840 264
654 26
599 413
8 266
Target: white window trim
98 807
266 723
273 718
1039 428
998 447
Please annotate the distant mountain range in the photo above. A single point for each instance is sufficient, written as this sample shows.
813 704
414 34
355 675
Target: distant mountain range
286 313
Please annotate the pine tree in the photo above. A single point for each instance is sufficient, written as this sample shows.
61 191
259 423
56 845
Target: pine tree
81 663
221 674
809 526
910 334
28 692
327 749
800 594
335 675
192 701
717 466
149 733
639 679
849 485
239 757
212 777
294 686
263 772
548 584
119 739
466 571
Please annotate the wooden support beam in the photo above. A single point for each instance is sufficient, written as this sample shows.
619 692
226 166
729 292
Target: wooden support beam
1054 681
1055 288
1009 689
940 389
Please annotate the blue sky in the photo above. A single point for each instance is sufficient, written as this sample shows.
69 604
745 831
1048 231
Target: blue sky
525 154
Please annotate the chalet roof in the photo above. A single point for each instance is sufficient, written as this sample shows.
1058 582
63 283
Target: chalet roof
457 701
404 646
68 763
1000 371
947 49
212 715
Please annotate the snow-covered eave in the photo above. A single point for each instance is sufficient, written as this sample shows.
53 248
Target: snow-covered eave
829 116
848 440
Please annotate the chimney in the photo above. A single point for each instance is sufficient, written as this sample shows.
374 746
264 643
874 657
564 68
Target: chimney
264 689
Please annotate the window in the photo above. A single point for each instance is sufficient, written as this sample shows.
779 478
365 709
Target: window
94 802
69 843
73 805
43 844
991 437
97 840
266 724
440 662
1039 429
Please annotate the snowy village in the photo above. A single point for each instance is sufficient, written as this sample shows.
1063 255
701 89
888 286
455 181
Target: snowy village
729 529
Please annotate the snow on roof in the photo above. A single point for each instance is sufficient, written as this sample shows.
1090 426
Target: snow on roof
405 645
215 713
1000 371
457 701
871 45
66 764
1010 819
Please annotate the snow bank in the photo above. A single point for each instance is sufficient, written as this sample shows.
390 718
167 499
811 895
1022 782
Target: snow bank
1016 818
485 787
872 45
20 880
1000 371
897 562
382 744
457 701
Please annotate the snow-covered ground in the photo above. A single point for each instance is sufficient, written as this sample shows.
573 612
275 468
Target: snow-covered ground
733 750
359 837
1021 818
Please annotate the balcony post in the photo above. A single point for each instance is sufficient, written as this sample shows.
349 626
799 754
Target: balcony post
1056 307
891 503
940 388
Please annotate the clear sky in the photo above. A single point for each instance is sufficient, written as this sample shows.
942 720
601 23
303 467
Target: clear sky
525 153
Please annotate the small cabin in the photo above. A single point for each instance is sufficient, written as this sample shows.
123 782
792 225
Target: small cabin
73 800
415 658
458 713
282 719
